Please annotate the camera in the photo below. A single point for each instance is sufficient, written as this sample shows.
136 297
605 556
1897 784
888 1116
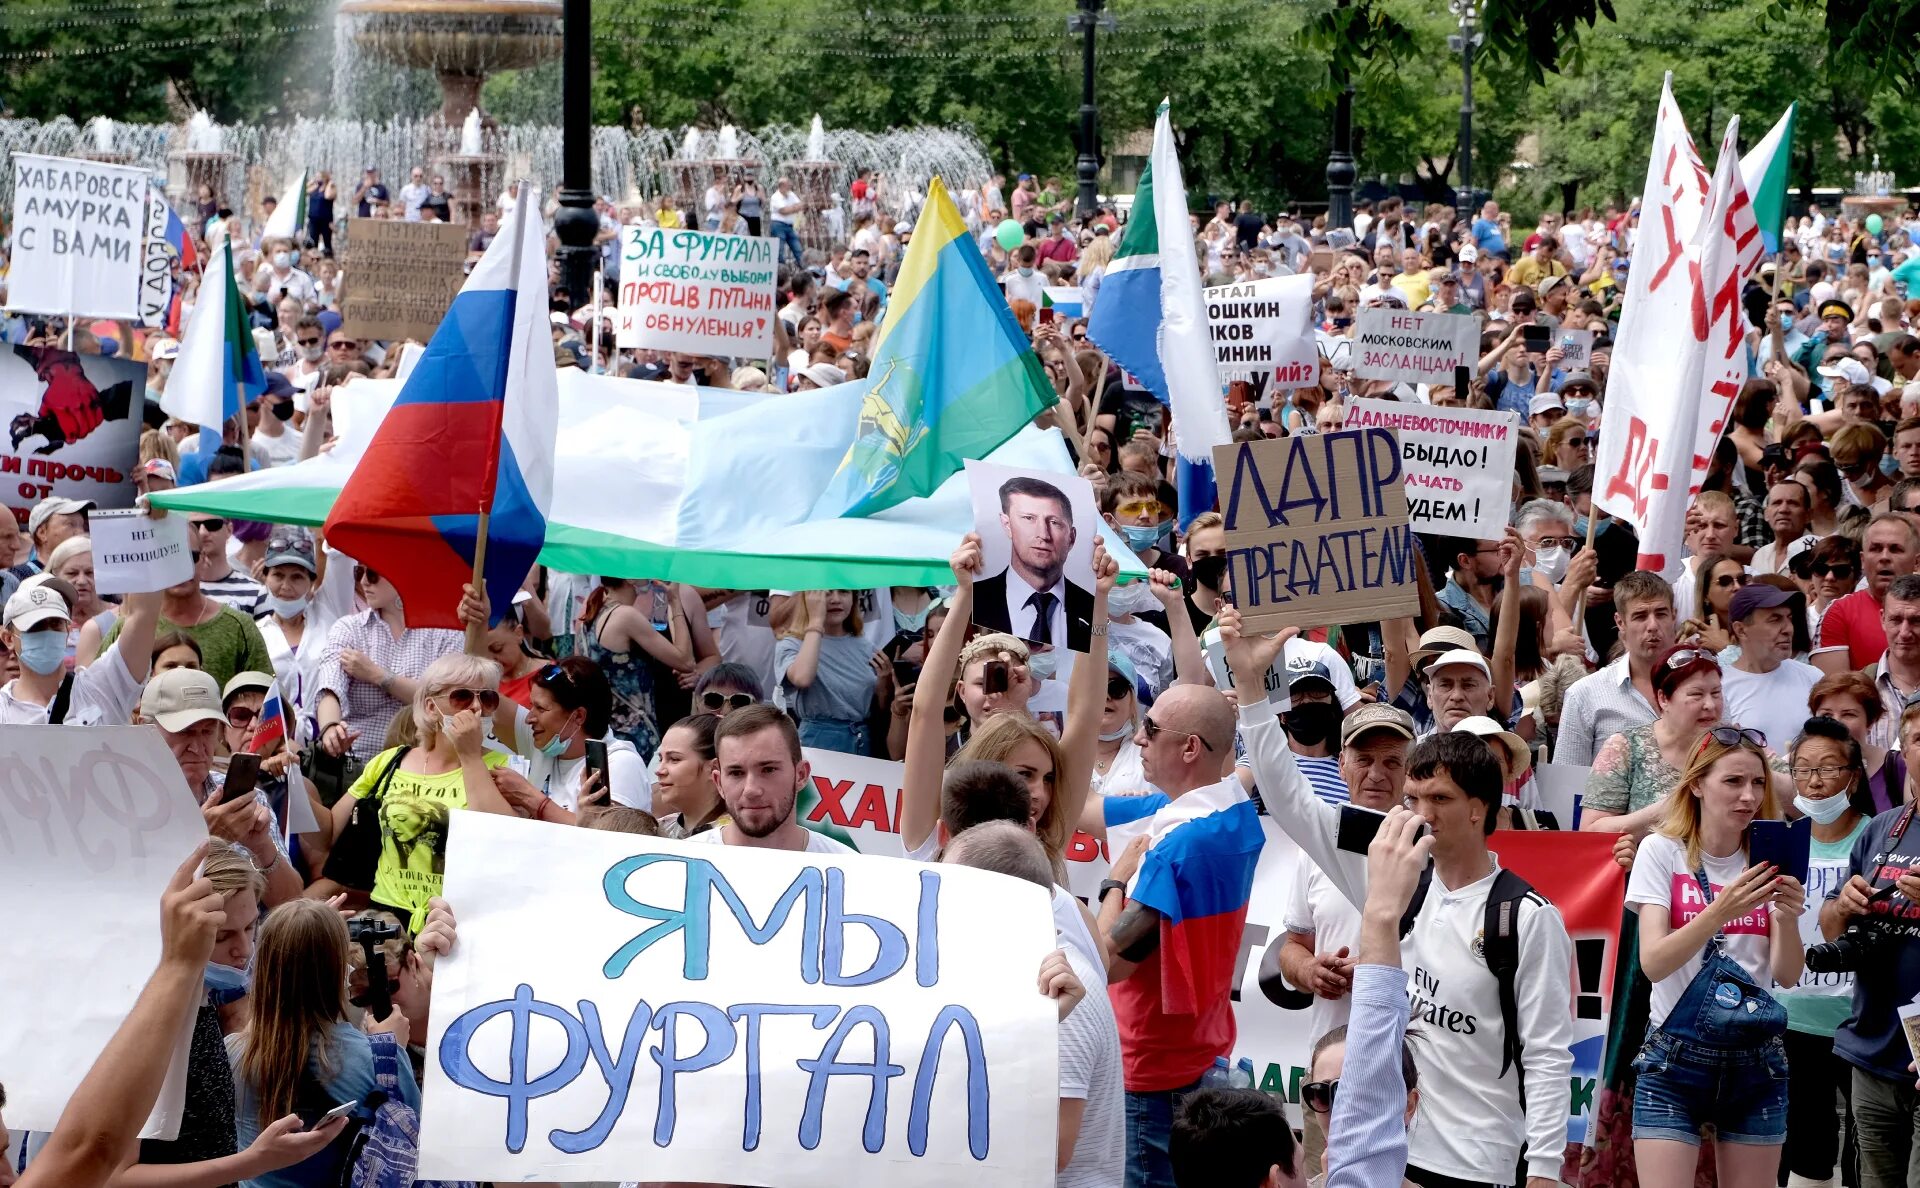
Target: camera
371 930
1847 952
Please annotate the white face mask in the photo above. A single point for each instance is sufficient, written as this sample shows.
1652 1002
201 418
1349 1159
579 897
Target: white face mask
287 608
313 354
283 259
1824 811
1131 599
1551 563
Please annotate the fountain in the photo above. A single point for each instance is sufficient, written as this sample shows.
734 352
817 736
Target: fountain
473 174
814 178
461 41
203 160
100 142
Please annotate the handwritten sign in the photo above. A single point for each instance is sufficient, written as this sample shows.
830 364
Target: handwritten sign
134 553
156 262
1264 327
1418 348
400 277
78 230
696 291
92 825
1317 529
713 1013
1457 463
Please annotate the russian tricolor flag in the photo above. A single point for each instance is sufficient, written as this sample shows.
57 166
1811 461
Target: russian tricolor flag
472 431
273 723
1198 874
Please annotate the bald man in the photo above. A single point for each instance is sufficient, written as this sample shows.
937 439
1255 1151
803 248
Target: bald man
1174 910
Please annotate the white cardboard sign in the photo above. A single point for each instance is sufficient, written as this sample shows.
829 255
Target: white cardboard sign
133 553
1265 327
93 824
630 1007
1417 348
79 228
696 291
1457 462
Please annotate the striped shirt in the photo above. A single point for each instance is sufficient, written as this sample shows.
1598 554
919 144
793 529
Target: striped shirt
1323 776
238 591
364 707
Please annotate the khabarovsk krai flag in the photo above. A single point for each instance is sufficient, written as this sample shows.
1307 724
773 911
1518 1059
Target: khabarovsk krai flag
1151 318
1763 171
217 364
953 375
473 427
1643 463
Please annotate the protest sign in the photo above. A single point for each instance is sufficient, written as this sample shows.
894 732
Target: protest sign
1036 554
1265 327
751 979
1458 464
133 553
73 427
1317 529
78 234
1576 350
1563 788
93 823
1418 348
399 278
156 262
696 291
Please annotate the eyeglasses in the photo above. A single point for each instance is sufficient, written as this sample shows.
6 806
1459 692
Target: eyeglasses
1733 736
1825 773
1141 507
553 676
714 701
1318 1095
1578 443
1843 572
1154 730
207 526
1565 542
308 341
1118 687
362 573
240 717
1686 656
463 699
1731 579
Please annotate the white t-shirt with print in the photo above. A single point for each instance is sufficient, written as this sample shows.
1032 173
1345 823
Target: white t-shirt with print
1317 906
1661 877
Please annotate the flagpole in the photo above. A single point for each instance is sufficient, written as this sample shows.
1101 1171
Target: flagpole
477 632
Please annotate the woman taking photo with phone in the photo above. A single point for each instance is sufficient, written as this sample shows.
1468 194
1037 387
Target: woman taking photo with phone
1717 932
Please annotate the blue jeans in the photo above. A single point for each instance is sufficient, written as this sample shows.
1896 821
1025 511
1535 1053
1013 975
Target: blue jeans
789 240
1684 1086
831 734
1149 1129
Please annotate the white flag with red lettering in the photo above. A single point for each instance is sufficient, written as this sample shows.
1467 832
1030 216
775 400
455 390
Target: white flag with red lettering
1643 466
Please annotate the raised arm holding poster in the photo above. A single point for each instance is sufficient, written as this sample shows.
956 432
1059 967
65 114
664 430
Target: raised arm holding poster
1317 529
77 237
629 1008
1458 463
1417 348
696 291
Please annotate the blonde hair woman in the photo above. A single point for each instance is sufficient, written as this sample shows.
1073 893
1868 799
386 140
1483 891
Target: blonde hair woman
298 1053
1717 933
390 840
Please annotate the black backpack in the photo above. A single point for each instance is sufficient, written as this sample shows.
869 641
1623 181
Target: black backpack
1500 944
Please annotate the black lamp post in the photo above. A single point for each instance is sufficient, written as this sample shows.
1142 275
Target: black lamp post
1340 170
1464 43
1085 22
576 223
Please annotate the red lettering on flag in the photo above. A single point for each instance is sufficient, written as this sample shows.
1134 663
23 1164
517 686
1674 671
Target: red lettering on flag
1675 253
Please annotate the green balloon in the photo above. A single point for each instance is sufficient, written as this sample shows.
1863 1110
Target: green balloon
1874 224
1009 235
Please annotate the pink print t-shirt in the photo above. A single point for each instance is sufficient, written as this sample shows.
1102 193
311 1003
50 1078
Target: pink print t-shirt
1661 877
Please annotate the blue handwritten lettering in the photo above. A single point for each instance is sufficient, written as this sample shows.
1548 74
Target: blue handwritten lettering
517 1089
752 1013
880 1070
977 1096
694 916
717 1047
926 941
887 961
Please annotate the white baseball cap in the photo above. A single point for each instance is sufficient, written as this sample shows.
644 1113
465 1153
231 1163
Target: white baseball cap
33 605
1460 656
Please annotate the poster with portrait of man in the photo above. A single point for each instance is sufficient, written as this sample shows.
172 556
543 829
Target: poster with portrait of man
1036 543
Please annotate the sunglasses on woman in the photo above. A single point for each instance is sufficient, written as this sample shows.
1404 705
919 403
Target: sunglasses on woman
1318 1095
1118 687
362 573
1733 736
240 717
714 701
462 699
1842 572
1686 656
553 677
1731 579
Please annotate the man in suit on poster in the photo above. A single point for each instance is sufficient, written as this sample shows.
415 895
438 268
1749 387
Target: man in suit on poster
1032 598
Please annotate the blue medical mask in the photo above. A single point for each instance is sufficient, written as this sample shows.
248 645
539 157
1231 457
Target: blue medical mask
1824 811
912 620
1147 536
1581 407
224 982
554 746
42 652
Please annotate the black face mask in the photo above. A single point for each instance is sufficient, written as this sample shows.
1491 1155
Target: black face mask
1210 572
282 410
1311 723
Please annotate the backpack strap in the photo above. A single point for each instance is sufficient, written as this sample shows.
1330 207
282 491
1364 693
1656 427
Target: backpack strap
1419 899
1500 942
62 701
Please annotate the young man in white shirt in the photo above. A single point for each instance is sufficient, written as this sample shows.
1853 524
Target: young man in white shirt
1766 689
759 770
1474 1124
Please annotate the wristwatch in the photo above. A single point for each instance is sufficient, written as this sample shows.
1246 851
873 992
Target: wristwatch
1107 885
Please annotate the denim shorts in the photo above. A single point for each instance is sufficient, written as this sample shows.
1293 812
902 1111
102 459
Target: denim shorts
1683 1087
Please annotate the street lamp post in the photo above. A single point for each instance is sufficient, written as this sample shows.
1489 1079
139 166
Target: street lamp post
1340 170
1086 22
576 223
1464 43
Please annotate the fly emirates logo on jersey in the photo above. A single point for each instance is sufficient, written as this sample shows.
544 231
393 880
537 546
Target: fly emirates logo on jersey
1687 904
1423 996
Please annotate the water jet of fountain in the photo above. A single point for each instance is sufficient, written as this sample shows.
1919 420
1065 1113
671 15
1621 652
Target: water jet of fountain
817 141
470 134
